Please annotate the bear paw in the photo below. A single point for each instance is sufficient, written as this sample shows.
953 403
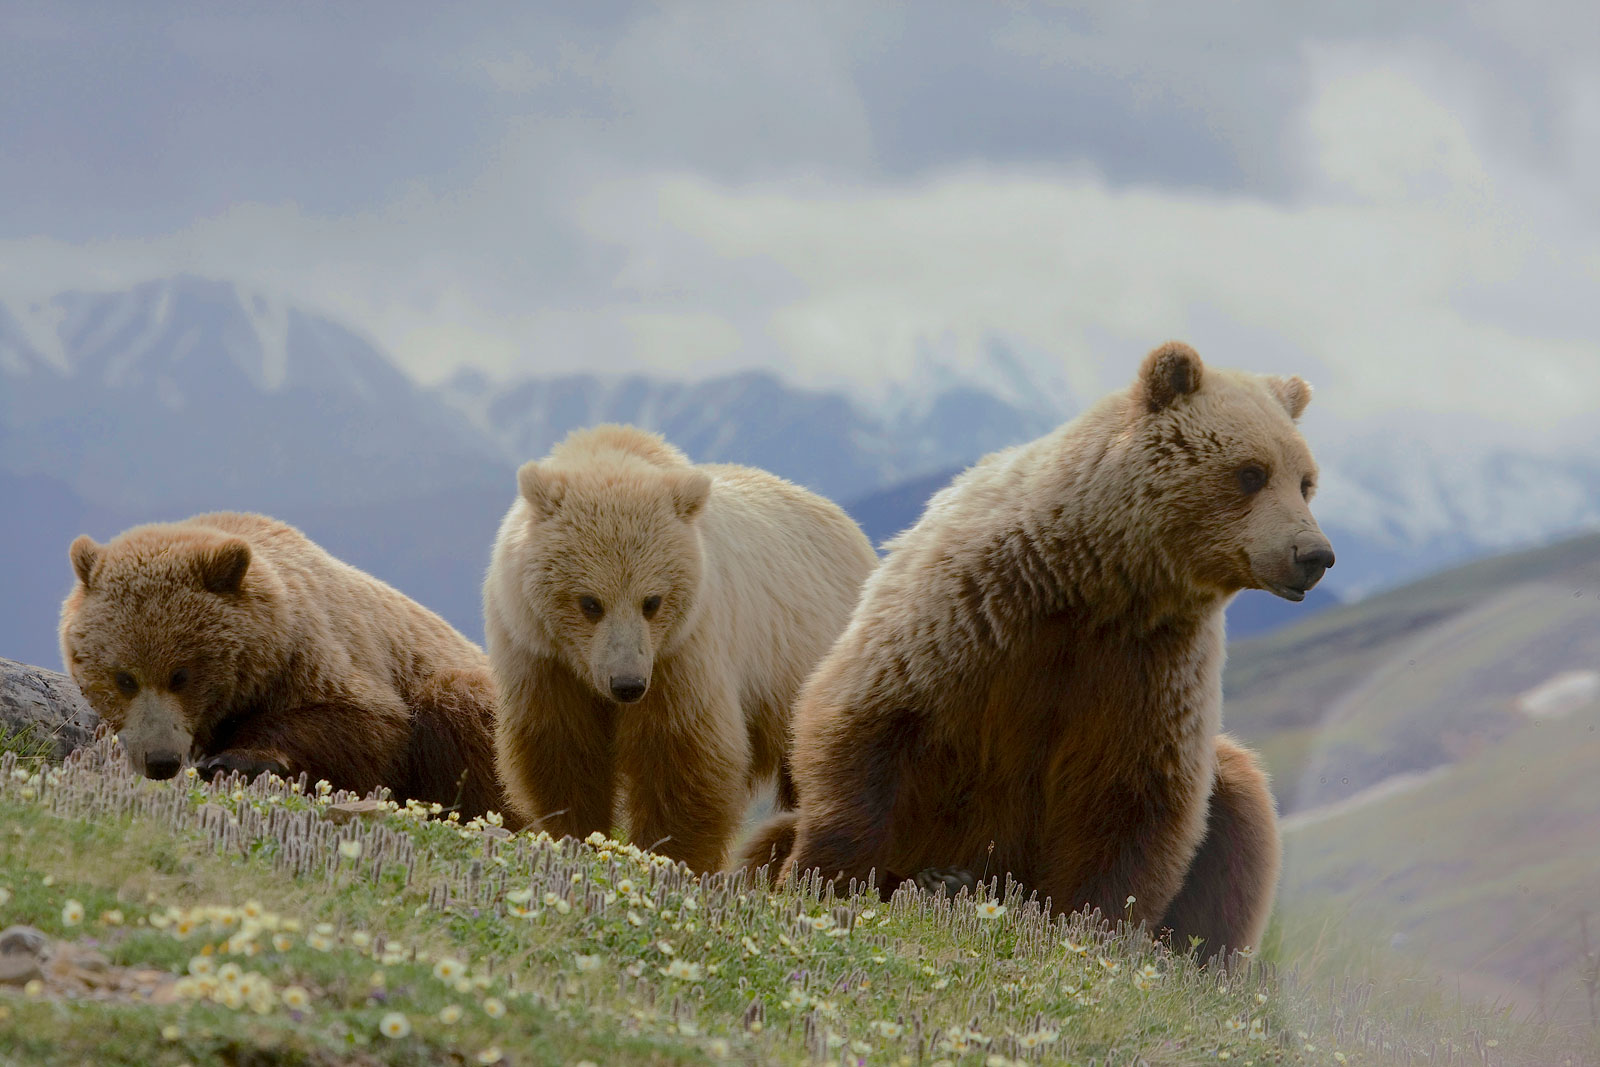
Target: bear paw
946 881
242 763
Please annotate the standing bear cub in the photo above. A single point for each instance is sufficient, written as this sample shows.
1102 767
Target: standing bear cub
649 623
235 641
1036 666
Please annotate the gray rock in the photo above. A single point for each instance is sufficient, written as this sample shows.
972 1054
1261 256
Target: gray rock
23 941
46 705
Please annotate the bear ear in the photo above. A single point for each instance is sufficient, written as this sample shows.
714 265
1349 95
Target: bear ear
542 489
1293 392
83 553
1169 372
690 490
221 567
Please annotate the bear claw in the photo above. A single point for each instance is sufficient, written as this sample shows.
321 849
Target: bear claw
248 767
946 881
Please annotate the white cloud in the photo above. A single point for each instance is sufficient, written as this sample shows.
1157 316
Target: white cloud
1415 272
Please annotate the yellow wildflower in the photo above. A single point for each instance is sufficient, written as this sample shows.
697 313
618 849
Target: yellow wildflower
394 1025
494 1008
71 913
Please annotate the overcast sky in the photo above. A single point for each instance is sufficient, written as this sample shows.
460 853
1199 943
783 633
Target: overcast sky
1399 201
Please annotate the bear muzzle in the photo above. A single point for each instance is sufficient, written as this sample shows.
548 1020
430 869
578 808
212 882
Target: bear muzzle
154 735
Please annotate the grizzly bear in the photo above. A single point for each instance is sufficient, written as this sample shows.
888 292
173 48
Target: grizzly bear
649 623
1032 682
234 641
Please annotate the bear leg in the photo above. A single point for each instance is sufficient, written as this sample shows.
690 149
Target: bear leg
685 754
1227 894
314 739
770 844
858 768
554 748
450 758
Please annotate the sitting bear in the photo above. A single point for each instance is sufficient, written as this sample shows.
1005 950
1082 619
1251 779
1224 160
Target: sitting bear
649 623
1036 665
234 641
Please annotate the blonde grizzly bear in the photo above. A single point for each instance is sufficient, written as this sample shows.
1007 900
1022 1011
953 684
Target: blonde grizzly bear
649 623
234 641
1037 663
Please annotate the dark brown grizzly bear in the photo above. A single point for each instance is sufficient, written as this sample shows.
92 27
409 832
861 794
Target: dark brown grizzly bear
233 641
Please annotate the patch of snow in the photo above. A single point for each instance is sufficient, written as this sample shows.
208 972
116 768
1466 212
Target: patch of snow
124 308
270 319
1560 695
40 326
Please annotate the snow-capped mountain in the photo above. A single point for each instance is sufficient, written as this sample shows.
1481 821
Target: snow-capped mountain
184 395
822 439
189 393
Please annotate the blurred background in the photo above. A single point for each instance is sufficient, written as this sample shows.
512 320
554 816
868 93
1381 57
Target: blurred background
350 264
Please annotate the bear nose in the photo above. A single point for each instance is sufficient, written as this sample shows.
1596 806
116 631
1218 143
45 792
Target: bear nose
1313 561
628 690
162 767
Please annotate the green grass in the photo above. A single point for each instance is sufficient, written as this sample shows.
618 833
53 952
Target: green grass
25 744
599 952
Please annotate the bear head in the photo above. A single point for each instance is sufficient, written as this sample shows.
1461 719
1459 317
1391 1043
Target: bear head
1226 476
157 630
609 563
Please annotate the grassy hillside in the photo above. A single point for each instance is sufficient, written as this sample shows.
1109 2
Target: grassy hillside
1489 870
252 925
1425 802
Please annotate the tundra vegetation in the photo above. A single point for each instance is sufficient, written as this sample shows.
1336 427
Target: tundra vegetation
186 922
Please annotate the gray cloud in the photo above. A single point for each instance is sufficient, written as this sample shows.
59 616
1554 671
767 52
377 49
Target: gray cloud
1375 192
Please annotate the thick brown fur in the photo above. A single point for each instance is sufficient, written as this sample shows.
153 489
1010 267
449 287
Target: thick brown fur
234 641
649 623
1037 663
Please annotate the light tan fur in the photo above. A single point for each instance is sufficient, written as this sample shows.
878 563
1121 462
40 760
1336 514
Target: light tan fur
756 577
235 641
1037 663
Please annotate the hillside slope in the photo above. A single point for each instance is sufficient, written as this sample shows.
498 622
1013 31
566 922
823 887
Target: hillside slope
1414 677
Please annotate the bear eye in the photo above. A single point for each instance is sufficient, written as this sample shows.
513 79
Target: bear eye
126 682
651 605
179 679
1252 479
591 607
1306 485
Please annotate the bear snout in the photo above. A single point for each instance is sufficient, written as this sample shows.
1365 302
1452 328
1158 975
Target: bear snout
628 688
1311 560
162 766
